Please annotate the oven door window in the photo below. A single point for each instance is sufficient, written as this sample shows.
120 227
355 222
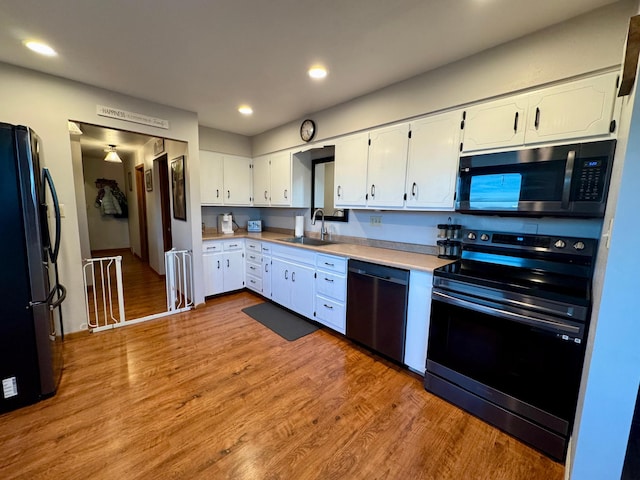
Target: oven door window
525 362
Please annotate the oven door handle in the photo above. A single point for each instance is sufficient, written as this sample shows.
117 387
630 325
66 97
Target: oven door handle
481 306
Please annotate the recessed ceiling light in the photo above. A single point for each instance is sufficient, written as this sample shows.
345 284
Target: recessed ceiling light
41 48
245 110
317 72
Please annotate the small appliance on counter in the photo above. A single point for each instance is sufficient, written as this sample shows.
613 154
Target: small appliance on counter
225 223
254 226
448 245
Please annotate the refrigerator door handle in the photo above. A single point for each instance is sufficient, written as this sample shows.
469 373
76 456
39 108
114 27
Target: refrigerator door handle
47 179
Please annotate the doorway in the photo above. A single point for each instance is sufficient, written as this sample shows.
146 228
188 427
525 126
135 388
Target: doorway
135 236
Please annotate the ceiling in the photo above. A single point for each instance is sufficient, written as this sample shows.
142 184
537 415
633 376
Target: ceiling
95 139
211 56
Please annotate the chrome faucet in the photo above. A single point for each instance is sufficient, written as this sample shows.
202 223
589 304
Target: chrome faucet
323 231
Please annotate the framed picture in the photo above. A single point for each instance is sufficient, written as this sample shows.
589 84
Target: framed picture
158 146
148 180
178 188
129 182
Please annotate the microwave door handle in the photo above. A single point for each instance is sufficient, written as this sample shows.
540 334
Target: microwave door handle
547 325
568 174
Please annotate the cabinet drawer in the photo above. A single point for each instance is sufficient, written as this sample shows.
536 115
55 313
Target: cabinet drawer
254 258
331 285
330 313
229 245
254 283
266 248
331 263
211 247
253 246
254 269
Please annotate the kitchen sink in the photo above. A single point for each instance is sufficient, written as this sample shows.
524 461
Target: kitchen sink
313 242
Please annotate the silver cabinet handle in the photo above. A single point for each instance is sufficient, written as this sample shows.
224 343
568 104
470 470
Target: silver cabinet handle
286 194
328 280
413 189
228 193
266 267
286 274
252 267
218 264
373 191
265 194
330 307
339 191
537 121
293 276
217 193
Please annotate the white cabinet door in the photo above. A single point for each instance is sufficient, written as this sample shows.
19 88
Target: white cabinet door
237 180
351 170
280 179
418 316
211 178
500 123
281 281
432 164
576 110
301 300
213 273
233 271
387 166
261 181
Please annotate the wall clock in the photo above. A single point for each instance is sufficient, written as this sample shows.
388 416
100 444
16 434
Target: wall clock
307 130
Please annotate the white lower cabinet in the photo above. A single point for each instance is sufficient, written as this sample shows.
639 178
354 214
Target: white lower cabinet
331 292
266 269
253 265
292 278
418 315
223 262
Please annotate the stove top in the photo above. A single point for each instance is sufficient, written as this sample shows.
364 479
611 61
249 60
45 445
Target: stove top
549 267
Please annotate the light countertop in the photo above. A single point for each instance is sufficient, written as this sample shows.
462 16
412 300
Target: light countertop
383 256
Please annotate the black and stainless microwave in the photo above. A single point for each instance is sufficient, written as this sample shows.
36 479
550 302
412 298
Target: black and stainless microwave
561 180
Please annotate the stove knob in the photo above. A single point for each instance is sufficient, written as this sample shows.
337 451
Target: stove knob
471 236
578 245
560 244
484 237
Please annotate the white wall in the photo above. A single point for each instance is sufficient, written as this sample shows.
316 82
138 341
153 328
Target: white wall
105 231
45 103
224 142
78 178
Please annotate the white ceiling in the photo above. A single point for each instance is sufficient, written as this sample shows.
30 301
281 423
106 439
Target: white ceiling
211 56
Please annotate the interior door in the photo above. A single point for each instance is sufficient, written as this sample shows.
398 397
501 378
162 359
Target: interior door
142 213
165 202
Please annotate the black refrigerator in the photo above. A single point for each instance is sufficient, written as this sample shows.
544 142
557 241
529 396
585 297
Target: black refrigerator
31 330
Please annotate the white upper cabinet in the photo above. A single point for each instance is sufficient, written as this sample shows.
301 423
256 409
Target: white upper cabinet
387 166
495 124
576 110
211 178
261 181
350 184
224 179
433 162
237 180
280 179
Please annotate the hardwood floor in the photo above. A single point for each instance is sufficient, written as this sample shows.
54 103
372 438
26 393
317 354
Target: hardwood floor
213 394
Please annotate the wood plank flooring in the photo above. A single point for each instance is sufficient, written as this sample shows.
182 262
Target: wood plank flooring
213 394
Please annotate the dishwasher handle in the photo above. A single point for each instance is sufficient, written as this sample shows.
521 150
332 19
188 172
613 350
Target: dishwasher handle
385 278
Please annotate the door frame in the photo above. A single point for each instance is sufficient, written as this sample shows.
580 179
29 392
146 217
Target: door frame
165 200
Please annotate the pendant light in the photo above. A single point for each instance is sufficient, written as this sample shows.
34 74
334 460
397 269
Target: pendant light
112 155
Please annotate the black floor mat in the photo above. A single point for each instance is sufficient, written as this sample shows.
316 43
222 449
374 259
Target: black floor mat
286 324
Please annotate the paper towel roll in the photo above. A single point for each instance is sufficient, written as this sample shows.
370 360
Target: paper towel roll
299 228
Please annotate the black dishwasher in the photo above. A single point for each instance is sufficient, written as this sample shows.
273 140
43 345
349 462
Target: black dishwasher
377 307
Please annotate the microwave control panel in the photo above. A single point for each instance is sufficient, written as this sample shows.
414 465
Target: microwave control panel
589 178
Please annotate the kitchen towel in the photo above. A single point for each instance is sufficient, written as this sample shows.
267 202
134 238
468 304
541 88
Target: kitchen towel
299 227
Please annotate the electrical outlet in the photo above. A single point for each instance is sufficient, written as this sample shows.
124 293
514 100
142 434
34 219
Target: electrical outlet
375 220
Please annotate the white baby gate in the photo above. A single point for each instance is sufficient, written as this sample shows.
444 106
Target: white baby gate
104 289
